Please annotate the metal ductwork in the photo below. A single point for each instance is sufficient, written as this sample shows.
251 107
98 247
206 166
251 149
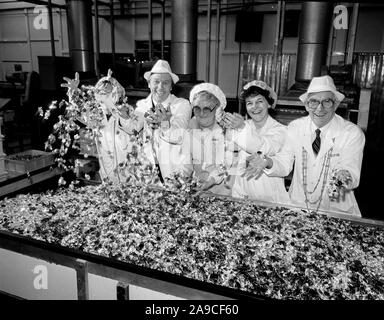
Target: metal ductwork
313 39
184 39
80 35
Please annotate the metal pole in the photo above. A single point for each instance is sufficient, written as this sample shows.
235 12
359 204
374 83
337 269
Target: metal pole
280 48
352 37
208 57
51 29
184 39
218 19
112 34
80 36
97 37
162 28
150 29
313 32
330 45
122 9
275 45
28 37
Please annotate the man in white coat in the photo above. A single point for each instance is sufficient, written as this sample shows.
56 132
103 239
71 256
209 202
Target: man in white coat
164 118
326 152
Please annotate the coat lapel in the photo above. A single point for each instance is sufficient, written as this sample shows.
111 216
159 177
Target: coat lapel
172 105
329 140
307 139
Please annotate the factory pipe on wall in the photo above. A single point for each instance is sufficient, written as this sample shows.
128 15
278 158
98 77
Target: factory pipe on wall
184 39
80 35
314 29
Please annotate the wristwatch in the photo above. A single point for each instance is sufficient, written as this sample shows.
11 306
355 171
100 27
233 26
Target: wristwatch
264 158
261 154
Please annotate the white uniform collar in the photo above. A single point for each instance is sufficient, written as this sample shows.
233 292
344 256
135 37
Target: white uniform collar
165 102
266 124
324 129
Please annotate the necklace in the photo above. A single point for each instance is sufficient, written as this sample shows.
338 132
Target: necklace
325 169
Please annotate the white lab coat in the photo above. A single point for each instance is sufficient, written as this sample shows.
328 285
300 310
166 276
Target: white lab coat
347 141
113 145
164 145
269 140
203 152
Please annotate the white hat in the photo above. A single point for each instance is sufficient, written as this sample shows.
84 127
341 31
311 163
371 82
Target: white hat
264 86
213 89
320 84
161 66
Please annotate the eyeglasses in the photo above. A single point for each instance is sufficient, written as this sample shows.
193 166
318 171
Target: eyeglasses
206 111
326 103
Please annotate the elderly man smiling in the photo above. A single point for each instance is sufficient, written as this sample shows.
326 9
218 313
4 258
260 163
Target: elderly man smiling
166 118
326 151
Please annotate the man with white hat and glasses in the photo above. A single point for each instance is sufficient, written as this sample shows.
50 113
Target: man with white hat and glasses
326 151
165 118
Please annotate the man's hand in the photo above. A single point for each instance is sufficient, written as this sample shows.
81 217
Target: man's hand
234 121
207 184
256 163
72 84
164 114
345 177
151 117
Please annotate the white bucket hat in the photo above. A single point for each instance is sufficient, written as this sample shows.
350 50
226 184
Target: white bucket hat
213 89
320 84
161 66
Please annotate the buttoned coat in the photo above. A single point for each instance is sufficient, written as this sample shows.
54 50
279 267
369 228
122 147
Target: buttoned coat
343 143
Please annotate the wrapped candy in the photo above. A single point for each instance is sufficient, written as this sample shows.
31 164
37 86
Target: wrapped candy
339 181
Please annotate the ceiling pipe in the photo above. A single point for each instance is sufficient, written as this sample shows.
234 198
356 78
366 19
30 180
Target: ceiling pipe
331 39
112 35
352 34
218 20
280 48
80 36
97 36
313 37
51 33
275 45
162 28
184 39
150 26
208 44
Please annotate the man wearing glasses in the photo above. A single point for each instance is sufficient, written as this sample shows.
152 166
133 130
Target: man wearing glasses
325 150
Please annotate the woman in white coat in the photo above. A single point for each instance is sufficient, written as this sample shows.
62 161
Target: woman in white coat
205 151
164 118
113 135
259 135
